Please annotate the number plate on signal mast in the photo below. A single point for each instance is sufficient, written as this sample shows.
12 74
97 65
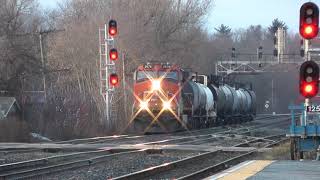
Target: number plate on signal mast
313 108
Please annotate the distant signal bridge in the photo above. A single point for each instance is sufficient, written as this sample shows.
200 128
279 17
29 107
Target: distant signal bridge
249 64
240 63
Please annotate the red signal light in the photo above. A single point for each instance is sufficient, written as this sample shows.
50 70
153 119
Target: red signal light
112 31
308 30
113 27
308 88
309 20
113 54
114 80
309 79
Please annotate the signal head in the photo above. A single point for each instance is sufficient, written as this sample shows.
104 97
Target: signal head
309 20
309 79
114 79
113 30
113 54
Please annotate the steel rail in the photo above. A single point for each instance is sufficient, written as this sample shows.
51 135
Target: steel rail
153 171
33 168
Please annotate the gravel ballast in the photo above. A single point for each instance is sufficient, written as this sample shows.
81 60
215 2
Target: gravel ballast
123 164
17 157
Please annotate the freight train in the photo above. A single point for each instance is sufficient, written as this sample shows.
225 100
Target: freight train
169 98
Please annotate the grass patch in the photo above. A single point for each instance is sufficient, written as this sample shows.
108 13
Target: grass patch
282 152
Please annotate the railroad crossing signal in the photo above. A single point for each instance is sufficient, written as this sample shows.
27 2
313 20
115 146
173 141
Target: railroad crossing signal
309 79
309 20
113 30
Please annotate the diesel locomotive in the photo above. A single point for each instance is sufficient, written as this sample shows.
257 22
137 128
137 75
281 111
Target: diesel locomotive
169 98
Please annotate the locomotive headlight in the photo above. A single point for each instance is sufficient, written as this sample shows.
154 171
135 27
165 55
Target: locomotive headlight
166 105
156 85
143 105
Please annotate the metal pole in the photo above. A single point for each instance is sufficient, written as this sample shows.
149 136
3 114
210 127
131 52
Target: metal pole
100 61
107 74
216 66
307 100
272 96
124 85
306 103
43 66
306 50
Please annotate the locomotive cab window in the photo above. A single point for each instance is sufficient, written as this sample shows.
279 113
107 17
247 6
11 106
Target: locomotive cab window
145 75
169 75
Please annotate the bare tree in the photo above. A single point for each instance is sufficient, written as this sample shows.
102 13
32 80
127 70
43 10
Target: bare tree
162 30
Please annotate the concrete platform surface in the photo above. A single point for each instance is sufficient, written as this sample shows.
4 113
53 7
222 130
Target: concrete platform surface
271 170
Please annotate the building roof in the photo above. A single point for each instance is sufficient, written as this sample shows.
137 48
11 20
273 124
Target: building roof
6 104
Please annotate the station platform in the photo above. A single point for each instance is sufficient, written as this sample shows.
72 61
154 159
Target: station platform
271 170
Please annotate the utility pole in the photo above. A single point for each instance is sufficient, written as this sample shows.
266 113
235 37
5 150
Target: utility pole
43 65
124 85
272 96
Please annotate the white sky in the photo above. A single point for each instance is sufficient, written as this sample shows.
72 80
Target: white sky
242 13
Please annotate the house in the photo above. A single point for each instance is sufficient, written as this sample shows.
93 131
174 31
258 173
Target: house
9 108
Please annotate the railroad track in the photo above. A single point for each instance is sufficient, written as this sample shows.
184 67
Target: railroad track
201 135
37 167
91 140
196 136
128 138
62 163
195 167
51 168
237 131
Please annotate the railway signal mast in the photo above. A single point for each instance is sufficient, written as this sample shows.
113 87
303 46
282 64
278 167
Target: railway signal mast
108 77
309 70
304 136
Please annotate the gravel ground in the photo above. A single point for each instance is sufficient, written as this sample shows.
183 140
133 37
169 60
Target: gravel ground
258 144
121 165
190 168
267 132
17 157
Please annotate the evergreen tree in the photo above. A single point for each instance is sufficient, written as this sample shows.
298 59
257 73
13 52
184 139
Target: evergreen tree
223 31
276 23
